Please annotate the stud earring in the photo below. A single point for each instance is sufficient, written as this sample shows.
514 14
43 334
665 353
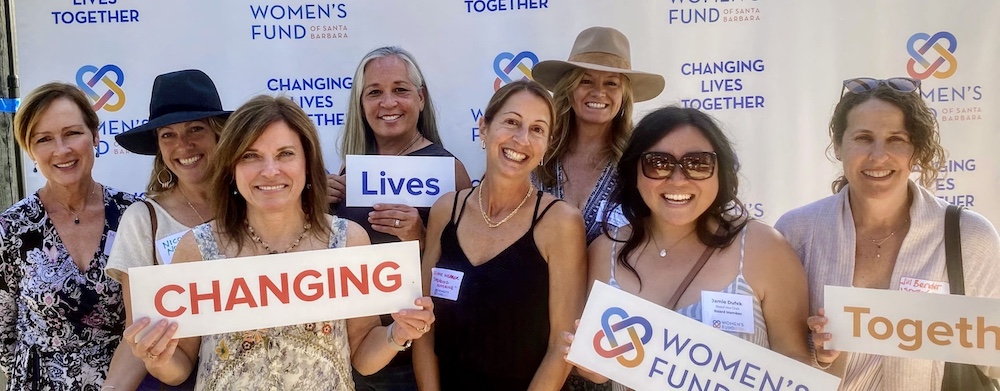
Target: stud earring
236 192
309 186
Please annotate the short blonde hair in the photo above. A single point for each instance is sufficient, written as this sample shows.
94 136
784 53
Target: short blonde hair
39 99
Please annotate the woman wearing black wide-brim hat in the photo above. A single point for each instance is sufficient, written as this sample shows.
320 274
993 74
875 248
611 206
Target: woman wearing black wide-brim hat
185 120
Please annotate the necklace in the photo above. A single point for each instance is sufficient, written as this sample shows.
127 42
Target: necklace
878 242
267 247
489 222
76 215
193 208
414 141
663 250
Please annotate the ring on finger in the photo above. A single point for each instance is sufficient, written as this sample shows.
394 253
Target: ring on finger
152 356
396 224
426 328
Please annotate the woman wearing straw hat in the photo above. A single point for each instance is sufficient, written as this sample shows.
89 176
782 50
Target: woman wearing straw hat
593 93
185 120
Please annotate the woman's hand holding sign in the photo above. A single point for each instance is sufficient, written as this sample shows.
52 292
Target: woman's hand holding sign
156 349
399 220
816 324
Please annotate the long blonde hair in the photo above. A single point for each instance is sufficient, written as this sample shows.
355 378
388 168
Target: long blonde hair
564 132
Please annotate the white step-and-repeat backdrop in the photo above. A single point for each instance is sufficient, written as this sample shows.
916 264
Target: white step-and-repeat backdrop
769 70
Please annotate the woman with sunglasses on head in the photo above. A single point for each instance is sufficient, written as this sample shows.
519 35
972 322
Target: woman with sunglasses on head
61 317
518 254
264 170
185 120
593 94
880 226
677 189
390 113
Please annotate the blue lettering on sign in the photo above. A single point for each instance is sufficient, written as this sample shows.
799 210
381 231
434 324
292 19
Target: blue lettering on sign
292 31
307 11
413 186
686 16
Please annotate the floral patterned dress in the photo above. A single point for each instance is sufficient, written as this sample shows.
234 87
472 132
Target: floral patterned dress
58 326
305 357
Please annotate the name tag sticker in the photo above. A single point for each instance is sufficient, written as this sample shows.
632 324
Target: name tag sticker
109 242
166 246
446 283
911 284
727 312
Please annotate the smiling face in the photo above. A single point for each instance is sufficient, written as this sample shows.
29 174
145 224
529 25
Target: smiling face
876 150
186 149
62 145
678 200
518 135
271 173
598 97
391 102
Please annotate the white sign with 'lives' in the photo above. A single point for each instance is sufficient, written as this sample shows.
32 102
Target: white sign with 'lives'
416 181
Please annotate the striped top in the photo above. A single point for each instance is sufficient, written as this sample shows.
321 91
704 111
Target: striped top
739 286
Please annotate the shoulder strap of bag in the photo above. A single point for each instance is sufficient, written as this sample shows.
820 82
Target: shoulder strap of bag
953 250
152 219
672 304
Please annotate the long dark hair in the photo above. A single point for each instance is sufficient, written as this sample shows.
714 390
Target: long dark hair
726 210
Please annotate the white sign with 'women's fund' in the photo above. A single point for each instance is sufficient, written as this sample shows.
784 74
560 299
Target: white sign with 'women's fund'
647 347
416 181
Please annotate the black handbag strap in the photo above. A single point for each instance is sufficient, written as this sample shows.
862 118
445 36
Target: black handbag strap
953 249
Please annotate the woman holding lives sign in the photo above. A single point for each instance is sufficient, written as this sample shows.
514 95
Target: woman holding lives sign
264 172
881 229
516 257
389 113
185 119
689 239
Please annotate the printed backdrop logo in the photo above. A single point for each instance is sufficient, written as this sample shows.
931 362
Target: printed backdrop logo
635 341
943 54
103 101
513 61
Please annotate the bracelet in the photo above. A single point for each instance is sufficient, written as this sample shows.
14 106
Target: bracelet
392 342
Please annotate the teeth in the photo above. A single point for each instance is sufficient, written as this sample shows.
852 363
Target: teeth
877 174
190 160
275 187
66 165
595 105
678 197
390 117
515 156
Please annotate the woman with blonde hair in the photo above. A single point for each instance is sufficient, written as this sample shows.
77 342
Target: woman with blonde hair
593 92
61 317
185 120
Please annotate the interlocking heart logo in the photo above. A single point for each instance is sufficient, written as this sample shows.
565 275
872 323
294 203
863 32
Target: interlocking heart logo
513 61
920 44
628 323
111 77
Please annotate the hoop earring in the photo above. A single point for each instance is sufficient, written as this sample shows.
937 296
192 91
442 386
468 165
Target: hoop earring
166 184
482 143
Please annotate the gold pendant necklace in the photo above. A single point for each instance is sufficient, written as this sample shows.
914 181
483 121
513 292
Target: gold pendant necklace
486 217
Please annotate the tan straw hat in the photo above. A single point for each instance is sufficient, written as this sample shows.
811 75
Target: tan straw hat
601 49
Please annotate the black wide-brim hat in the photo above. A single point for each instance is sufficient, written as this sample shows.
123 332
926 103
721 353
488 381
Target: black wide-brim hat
180 96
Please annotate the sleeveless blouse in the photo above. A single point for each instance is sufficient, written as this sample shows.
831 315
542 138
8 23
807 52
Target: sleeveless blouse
495 335
312 356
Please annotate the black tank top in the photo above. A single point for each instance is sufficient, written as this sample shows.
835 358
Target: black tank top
495 335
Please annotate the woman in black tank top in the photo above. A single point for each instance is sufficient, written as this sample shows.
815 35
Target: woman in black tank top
504 262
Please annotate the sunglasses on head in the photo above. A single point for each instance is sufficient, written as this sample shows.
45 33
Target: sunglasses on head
862 85
695 165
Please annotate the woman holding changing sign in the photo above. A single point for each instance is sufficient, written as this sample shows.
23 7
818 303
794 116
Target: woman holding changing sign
186 117
881 228
689 240
269 197
390 113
